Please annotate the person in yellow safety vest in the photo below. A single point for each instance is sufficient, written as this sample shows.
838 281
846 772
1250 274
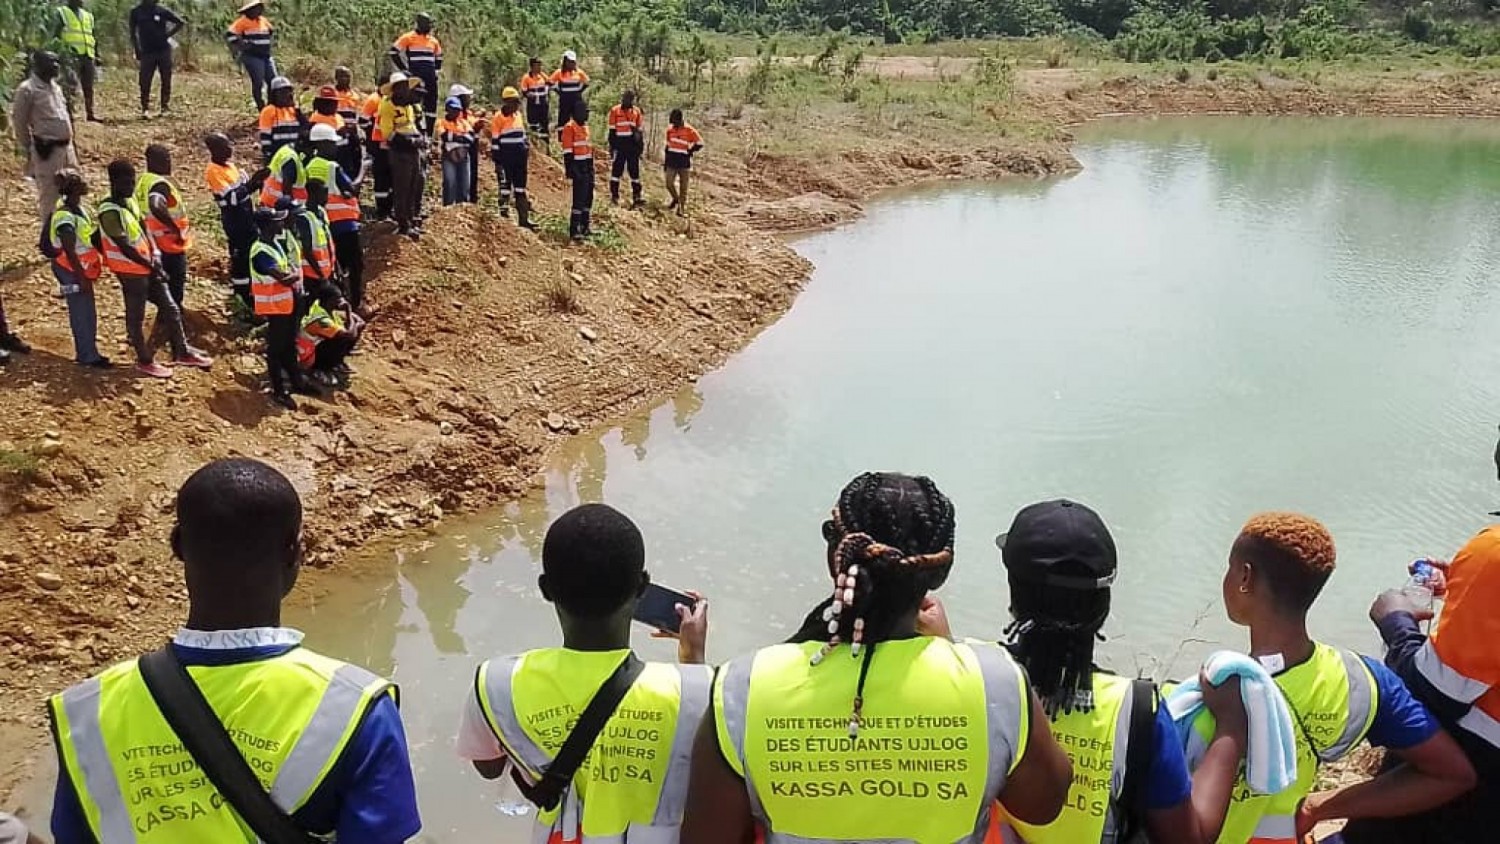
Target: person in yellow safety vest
325 737
133 257
308 224
275 275
329 333
343 212
1130 774
75 28
77 263
521 709
281 122
1455 672
287 178
860 728
166 218
1277 567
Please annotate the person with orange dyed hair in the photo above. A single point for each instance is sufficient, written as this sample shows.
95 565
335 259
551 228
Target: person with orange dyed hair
1456 673
1278 566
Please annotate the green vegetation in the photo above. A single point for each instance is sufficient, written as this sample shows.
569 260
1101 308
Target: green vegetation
18 464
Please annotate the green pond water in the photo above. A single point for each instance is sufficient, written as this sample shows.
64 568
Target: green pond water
1215 317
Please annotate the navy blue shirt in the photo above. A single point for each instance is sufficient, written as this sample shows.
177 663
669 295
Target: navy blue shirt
368 796
152 27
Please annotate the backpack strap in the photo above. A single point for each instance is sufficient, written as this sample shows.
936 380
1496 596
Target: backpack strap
547 793
191 718
1131 812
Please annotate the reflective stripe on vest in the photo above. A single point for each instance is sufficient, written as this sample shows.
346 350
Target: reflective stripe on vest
294 745
83 236
535 88
509 129
78 31
1445 679
307 342
130 220
273 189
321 256
1274 828
1333 697
609 822
165 237
340 208
922 778
1098 749
271 297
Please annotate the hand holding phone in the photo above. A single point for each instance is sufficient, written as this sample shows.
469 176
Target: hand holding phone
677 615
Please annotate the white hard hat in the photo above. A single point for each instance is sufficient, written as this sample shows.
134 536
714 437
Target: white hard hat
398 76
570 56
280 82
322 132
458 89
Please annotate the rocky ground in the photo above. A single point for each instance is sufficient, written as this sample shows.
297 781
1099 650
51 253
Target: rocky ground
491 345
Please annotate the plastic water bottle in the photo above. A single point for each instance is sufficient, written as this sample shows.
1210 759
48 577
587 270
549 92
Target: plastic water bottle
1419 586
511 802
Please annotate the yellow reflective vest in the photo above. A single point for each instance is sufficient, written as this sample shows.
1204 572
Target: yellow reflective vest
291 716
1097 743
943 726
78 31
1333 698
633 784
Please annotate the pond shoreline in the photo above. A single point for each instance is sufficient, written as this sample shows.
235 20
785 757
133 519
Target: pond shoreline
431 432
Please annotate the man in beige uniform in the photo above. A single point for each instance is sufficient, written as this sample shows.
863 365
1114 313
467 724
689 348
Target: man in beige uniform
44 130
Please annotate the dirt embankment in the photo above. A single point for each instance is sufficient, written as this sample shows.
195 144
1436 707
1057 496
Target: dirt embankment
491 345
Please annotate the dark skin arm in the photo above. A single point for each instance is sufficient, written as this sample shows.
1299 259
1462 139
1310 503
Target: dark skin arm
1200 819
159 209
121 241
718 807
1038 787
1436 771
304 237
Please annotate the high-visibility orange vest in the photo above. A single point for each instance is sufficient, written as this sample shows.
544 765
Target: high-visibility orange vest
508 130
135 232
625 121
575 140
166 238
271 297
321 255
340 208
368 114
535 87
83 234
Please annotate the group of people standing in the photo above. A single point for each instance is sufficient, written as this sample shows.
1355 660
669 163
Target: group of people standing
869 723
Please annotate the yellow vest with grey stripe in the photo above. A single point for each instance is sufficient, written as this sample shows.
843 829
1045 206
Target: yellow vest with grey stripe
943 726
1097 742
632 787
291 716
1333 698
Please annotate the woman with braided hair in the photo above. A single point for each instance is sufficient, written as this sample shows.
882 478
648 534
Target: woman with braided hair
861 729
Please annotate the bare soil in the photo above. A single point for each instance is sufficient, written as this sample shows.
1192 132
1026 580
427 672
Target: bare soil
491 345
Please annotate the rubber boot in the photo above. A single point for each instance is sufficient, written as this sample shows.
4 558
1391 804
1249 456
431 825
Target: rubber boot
523 211
636 201
614 192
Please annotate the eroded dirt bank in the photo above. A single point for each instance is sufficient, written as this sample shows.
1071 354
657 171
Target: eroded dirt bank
477 364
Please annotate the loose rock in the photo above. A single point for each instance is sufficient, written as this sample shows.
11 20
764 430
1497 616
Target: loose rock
47 580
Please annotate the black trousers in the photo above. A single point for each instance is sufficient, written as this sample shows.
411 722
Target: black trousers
626 158
281 353
537 117
240 236
351 256
429 100
152 64
583 198
380 171
565 105
351 158
331 352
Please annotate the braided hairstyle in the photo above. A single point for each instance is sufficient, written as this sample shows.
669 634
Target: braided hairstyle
1053 637
890 541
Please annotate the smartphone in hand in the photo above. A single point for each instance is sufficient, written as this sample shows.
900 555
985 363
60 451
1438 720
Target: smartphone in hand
658 607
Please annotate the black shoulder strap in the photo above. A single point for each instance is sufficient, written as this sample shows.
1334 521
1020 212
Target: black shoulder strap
1130 812
188 714
548 792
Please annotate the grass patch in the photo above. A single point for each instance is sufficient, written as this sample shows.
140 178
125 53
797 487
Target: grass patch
19 464
606 234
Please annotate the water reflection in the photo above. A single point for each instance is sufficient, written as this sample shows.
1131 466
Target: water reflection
1214 318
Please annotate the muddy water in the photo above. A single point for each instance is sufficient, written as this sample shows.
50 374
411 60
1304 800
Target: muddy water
1215 317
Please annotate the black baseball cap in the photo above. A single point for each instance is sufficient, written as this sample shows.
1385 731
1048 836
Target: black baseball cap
1059 543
